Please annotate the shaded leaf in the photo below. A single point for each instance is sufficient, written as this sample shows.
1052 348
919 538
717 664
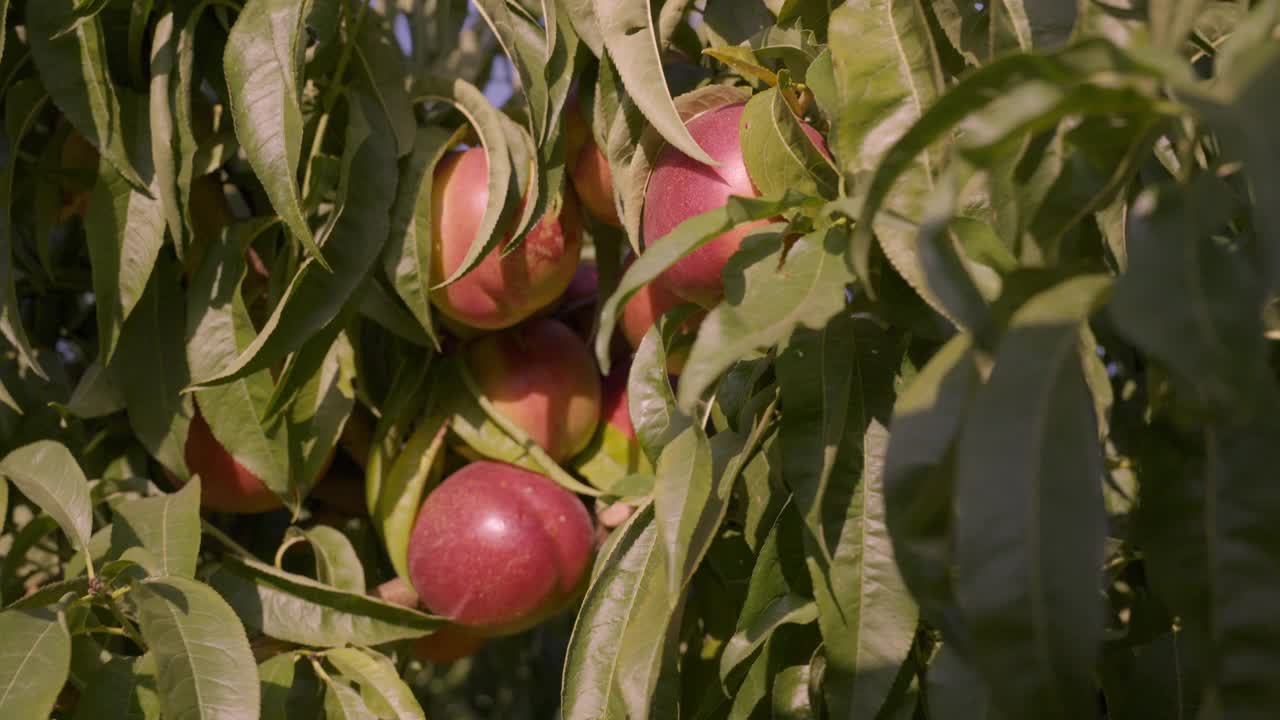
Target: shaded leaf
124 688
1212 336
1029 514
23 104
289 692
74 68
918 477
151 367
954 690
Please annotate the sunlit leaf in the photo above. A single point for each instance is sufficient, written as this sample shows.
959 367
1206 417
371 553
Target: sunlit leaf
204 668
261 64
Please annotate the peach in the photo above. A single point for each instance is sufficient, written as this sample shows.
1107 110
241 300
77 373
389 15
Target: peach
500 291
498 549
643 310
614 410
680 188
588 168
448 644
542 377
225 484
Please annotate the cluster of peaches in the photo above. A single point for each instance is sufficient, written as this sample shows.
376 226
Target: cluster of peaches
496 548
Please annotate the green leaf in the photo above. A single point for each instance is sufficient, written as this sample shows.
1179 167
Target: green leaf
906 158
884 88
582 13
982 32
954 690
822 378
151 366
1244 554
408 254
631 38
261 65
683 490
96 395
124 230
173 142
867 617
405 486
378 678
287 692
321 408
918 482
382 63
1154 680
528 53
218 328
1029 516
168 526
49 476
766 299
779 155
4 16
651 402
1242 108
74 68
298 609
1210 334
791 700
488 124
23 104
34 662
124 688
776 596
687 237
342 702
615 653
204 668
337 563
315 296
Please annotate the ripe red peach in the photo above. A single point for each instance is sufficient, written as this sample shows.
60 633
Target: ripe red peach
500 291
498 549
225 484
448 644
542 377
680 188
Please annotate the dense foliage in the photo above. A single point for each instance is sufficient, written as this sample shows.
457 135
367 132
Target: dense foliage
980 420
